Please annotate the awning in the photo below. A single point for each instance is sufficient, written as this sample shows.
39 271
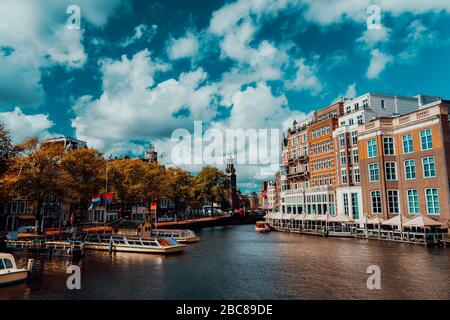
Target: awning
316 217
421 222
340 219
362 220
299 217
395 221
376 220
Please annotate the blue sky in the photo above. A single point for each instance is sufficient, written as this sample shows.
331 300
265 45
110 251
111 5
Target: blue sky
138 70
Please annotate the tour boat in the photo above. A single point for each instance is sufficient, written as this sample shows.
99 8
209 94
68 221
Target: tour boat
122 243
9 273
181 236
262 226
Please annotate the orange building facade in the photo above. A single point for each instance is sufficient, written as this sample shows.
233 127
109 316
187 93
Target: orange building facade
405 164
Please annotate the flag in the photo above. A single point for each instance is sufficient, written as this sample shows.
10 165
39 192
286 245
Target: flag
107 197
96 199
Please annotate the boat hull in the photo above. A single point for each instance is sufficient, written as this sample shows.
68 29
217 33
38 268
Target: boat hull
188 240
13 277
130 249
262 230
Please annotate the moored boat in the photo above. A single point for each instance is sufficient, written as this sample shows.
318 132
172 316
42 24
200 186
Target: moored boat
181 236
262 226
122 243
9 274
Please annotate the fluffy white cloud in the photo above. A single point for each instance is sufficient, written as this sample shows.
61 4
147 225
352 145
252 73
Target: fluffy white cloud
133 107
305 78
22 126
36 33
378 62
325 12
184 47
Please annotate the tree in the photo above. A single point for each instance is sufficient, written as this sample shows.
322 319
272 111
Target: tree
179 183
136 180
82 176
6 149
210 185
35 171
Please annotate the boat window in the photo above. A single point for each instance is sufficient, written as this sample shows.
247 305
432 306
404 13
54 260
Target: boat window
2 265
8 263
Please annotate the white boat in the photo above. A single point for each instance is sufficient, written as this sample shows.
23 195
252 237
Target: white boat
9 274
180 235
262 226
122 243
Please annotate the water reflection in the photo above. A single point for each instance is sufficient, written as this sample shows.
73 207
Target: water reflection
238 263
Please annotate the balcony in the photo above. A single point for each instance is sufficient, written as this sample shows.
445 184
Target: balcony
302 158
300 175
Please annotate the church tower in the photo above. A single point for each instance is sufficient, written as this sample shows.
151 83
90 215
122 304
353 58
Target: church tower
151 155
231 175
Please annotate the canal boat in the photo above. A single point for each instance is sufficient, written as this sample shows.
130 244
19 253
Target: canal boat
181 236
9 274
122 243
262 226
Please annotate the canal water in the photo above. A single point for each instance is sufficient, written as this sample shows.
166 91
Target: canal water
235 262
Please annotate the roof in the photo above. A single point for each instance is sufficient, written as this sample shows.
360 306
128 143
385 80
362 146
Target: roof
376 220
422 221
395 221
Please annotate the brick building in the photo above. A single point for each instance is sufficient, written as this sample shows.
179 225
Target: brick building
405 164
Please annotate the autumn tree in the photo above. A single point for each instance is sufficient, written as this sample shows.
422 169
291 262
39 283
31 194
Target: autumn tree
179 183
82 176
210 185
6 149
35 172
134 180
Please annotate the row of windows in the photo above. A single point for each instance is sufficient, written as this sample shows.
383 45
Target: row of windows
321 147
352 177
353 141
428 168
426 143
299 139
324 163
352 121
321 132
355 157
323 180
431 196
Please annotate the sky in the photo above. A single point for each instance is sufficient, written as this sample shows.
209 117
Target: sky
138 70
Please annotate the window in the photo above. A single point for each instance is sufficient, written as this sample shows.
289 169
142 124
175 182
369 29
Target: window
392 196
388 144
365 103
432 201
360 119
344 176
373 172
354 137
345 204
343 158
391 173
372 148
407 143
376 201
2 265
429 169
355 156
341 140
356 106
413 201
357 177
410 170
355 206
426 140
